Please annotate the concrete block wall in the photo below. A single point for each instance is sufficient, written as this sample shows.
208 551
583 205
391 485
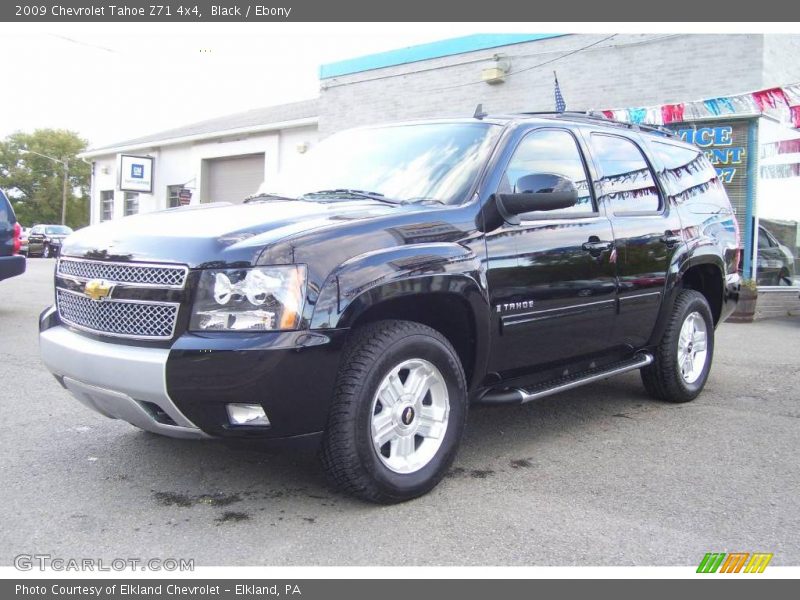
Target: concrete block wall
777 303
781 59
628 70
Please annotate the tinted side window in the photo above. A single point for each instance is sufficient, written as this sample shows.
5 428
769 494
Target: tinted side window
626 182
6 215
687 172
550 151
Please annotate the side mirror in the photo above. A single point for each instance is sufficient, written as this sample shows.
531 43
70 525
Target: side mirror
542 191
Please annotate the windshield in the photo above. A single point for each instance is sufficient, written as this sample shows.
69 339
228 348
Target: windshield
57 230
435 162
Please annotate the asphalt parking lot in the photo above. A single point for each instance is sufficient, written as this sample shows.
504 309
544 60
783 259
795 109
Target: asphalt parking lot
596 476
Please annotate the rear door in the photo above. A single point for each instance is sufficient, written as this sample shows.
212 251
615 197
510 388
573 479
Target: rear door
551 280
647 231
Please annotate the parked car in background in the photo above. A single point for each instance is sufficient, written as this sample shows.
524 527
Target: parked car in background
775 261
45 240
11 263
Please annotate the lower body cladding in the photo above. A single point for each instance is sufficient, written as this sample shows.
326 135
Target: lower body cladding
191 389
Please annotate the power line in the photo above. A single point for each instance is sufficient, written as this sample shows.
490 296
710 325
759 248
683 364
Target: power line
335 82
81 43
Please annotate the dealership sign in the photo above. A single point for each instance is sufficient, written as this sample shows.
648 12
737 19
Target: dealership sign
136 173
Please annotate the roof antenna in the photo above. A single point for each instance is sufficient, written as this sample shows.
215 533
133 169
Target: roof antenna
479 114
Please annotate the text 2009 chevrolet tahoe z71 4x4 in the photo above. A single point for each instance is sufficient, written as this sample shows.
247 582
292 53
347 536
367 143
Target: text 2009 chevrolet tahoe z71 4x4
405 272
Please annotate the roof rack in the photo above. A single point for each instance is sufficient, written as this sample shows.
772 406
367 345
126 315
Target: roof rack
591 116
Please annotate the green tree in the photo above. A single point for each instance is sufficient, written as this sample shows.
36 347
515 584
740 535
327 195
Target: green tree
34 184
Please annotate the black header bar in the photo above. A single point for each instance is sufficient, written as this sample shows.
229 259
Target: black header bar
151 11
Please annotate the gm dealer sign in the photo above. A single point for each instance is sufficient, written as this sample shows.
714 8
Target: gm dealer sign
136 173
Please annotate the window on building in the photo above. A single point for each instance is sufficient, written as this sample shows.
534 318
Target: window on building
173 200
107 205
626 182
131 203
551 151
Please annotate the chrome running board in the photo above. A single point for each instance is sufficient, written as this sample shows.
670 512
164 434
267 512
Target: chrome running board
517 395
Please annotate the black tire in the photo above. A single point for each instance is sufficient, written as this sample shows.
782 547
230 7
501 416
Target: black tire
46 251
663 379
347 454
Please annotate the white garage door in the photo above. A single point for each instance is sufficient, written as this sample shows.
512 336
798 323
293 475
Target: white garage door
234 178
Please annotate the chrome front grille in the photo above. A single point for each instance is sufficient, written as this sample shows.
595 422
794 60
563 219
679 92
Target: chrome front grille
142 274
121 318
152 315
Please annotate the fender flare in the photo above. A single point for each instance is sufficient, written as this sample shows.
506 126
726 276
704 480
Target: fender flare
367 280
674 284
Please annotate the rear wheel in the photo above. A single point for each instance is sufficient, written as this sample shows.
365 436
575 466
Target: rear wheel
683 358
398 412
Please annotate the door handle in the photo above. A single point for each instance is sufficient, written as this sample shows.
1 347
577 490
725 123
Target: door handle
671 239
596 246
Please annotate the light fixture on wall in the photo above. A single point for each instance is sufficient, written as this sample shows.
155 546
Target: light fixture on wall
105 170
497 72
302 147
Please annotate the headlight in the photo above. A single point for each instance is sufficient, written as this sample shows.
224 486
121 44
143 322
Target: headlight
257 299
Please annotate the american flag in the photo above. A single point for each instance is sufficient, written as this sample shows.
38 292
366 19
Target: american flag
561 106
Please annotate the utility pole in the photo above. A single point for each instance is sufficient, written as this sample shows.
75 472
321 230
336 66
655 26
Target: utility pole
64 162
64 192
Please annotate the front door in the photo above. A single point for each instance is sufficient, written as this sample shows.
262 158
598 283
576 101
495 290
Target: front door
36 240
551 277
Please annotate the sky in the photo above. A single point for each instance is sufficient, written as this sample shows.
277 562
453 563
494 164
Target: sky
115 81
112 82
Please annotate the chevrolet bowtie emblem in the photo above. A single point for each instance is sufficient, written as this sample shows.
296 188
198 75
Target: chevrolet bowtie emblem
97 289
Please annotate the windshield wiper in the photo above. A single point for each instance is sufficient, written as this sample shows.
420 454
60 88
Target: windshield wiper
423 200
351 193
265 197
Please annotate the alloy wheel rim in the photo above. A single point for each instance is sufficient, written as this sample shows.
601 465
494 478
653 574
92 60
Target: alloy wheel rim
409 417
692 347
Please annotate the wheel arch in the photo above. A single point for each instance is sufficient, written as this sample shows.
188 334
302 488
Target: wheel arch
703 272
707 278
438 285
450 313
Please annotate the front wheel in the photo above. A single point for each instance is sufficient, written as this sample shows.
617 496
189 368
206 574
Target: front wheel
683 358
46 251
398 412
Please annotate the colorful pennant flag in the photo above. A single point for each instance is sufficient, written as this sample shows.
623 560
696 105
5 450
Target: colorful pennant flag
784 99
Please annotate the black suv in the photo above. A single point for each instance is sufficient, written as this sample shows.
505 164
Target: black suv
46 240
11 263
402 273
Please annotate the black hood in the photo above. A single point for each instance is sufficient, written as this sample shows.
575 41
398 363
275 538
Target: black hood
215 233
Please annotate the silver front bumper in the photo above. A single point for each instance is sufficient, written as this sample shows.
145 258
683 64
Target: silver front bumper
118 381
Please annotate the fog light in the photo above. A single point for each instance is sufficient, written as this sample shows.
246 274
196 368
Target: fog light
247 414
